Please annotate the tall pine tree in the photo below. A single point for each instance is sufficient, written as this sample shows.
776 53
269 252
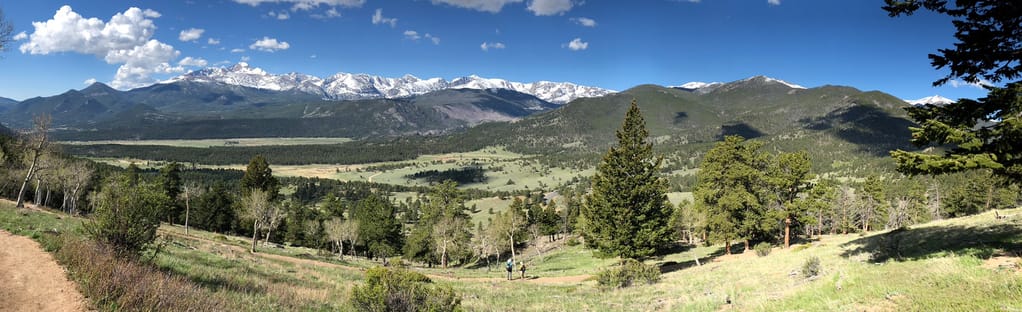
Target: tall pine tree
627 212
732 183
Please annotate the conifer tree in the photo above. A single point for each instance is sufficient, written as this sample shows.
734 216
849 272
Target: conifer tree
731 185
979 134
258 175
627 212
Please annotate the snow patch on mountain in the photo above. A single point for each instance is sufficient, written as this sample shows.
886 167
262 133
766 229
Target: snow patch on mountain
936 99
693 85
346 86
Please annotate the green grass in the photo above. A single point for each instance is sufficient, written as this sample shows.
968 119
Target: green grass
935 266
202 143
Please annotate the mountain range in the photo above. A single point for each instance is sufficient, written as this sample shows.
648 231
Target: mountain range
345 86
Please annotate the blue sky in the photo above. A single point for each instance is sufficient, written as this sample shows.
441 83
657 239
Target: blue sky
610 44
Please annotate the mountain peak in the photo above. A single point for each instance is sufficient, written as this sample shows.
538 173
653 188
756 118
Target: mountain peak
97 87
765 79
345 86
935 99
692 85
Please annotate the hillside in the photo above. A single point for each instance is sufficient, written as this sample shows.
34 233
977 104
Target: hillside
833 123
964 264
186 109
843 129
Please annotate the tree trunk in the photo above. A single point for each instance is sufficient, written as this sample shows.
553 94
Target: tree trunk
38 194
990 197
188 209
787 232
28 177
746 246
512 237
255 233
340 249
727 246
443 256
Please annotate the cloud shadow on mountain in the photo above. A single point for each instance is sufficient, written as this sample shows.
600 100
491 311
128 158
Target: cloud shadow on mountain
741 129
870 128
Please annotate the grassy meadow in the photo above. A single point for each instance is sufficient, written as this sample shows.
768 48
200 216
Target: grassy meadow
965 264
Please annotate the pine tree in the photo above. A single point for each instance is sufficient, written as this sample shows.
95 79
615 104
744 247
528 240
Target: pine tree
170 178
982 134
627 212
258 175
731 185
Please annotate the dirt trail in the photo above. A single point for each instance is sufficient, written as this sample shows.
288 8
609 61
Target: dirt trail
30 280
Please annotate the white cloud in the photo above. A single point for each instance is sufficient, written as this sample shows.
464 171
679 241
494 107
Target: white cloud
213 41
237 50
577 45
20 36
435 39
307 4
550 7
412 35
486 46
960 83
268 44
190 61
245 58
89 82
379 19
492 6
283 15
125 39
190 34
774 2
584 21
331 13
313 56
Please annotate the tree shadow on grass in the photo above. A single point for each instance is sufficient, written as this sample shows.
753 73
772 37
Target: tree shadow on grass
904 244
671 266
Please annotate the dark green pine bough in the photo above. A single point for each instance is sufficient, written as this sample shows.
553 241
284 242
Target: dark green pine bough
627 213
983 134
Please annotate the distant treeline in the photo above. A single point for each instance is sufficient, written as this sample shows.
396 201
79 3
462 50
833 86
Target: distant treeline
462 176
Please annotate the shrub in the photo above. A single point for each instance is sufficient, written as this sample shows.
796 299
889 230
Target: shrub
630 272
126 215
763 249
392 289
572 242
811 268
115 283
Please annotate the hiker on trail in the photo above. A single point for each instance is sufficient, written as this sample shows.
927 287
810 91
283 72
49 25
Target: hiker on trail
510 268
522 268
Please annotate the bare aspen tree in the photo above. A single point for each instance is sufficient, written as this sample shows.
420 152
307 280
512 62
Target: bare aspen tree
38 142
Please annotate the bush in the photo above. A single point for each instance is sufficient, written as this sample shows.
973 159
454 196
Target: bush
390 289
126 215
811 268
572 242
763 249
630 272
118 284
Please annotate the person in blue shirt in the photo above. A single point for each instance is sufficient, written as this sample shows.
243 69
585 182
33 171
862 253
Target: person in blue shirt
510 268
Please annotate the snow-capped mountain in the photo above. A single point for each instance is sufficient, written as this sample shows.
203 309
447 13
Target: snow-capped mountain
936 99
345 86
700 87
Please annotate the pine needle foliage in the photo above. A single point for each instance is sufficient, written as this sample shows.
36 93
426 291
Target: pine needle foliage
627 213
